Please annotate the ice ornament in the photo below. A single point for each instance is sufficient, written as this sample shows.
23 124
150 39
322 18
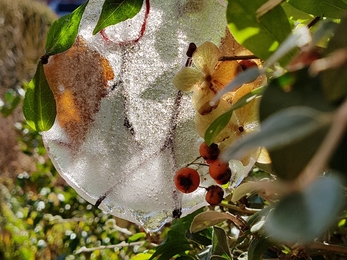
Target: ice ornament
122 129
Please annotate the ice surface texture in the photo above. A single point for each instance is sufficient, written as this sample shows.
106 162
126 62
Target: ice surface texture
122 129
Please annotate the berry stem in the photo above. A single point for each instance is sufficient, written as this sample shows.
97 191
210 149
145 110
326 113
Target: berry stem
194 161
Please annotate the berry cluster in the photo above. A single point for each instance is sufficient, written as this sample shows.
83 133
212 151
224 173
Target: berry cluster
187 179
205 73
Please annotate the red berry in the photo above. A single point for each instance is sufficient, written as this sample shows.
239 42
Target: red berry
224 178
214 195
187 180
209 153
246 64
217 169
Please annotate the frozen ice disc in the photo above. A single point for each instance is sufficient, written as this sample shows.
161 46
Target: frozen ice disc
122 129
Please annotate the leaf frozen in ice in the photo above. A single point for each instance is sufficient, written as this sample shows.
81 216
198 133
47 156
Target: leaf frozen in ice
122 129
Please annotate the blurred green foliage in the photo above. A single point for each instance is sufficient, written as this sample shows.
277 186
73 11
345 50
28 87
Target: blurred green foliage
43 218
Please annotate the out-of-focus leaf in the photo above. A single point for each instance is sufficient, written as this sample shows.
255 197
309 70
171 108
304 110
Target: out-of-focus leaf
10 103
141 256
335 80
304 216
218 125
63 32
246 76
338 160
220 246
328 8
116 11
39 104
294 89
258 247
263 36
280 130
136 237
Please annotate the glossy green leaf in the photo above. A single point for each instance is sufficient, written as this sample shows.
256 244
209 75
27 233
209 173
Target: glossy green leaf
116 11
263 36
280 130
63 32
335 80
304 216
39 105
219 123
328 8
220 246
257 247
294 89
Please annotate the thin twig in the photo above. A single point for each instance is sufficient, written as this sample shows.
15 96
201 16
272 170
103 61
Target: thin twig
241 57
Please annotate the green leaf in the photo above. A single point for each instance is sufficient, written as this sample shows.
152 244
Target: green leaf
335 80
219 123
263 36
220 246
203 237
116 11
39 105
295 14
303 216
258 247
63 32
136 237
328 8
175 241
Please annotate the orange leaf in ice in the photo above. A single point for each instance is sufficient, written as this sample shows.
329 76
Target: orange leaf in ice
78 79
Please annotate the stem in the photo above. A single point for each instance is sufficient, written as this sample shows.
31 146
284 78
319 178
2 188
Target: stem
194 161
241 57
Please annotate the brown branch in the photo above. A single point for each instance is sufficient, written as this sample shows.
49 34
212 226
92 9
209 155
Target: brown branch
329 247
241 57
